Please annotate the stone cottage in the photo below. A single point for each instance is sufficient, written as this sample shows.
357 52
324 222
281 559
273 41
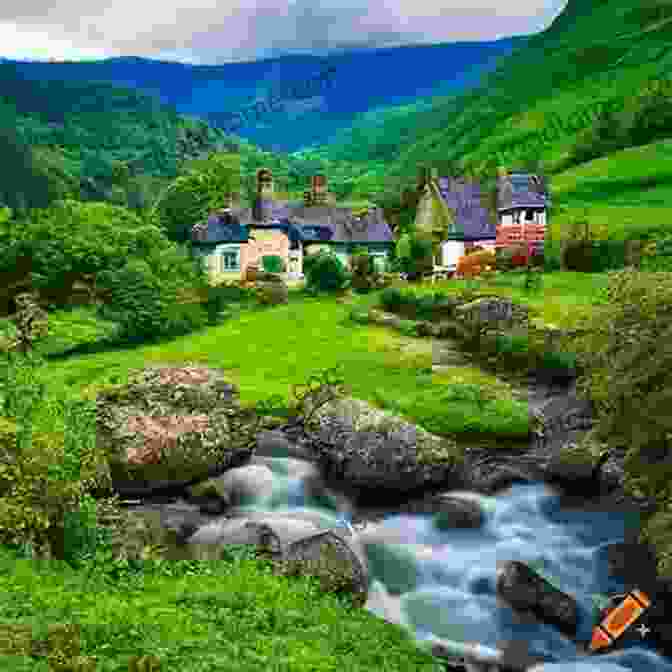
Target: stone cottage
234 238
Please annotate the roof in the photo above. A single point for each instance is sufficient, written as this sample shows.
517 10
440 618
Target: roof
473 221
220 228
343 225
522 190
302 223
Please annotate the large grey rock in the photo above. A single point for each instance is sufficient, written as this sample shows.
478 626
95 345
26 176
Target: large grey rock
492 313
525 590
226 531
170 426
336 559
457 512
275 444
237 487
166 525
372 450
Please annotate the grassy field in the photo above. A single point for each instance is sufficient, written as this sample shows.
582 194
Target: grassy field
265 352
624 195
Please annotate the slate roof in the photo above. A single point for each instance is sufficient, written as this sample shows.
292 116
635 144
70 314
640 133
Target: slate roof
315 223
522 190
473 221
338 225
220 229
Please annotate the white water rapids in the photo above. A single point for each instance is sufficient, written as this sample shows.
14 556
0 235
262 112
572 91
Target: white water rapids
448 587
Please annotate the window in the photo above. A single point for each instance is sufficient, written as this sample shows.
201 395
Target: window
230 258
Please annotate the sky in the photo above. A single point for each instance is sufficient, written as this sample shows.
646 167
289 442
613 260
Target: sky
225 31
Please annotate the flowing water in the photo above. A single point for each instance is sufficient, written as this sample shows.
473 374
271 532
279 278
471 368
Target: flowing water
453 595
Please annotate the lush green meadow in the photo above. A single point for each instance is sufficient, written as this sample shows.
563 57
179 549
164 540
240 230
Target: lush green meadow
267 351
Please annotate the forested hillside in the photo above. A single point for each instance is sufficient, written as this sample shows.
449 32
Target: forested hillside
595 82
362 80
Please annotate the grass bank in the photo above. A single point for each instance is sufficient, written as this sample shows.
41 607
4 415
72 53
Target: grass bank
226 615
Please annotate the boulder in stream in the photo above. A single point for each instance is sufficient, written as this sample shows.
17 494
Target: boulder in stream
373 452
525 590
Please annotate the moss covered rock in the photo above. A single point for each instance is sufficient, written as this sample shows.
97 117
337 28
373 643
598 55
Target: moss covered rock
172 425
373 449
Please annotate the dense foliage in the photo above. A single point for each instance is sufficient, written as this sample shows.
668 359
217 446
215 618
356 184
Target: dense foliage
643 118
191 197
45 476
325 272
140 276
626 351
414 255
29 183
272 263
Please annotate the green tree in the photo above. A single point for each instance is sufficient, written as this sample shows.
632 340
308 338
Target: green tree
191 197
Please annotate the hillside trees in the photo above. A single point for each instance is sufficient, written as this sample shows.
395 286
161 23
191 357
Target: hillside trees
190 198
139 277
644 118
26 183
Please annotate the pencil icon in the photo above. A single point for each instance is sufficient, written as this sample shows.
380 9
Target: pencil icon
619 619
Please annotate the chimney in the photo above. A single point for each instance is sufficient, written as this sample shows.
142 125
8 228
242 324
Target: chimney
263 202
265 183
319 188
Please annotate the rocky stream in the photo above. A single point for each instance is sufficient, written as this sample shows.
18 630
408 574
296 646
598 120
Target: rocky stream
501 564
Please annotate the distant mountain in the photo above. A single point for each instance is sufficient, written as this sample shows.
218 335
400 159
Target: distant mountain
534 109
76 132
363 79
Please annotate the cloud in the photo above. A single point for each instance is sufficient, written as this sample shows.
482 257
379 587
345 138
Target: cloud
211 31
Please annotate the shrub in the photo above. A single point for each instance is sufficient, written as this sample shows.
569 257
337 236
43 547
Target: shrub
577 255
408 327
273 264
145 306
391 299
363 271
325 272
627 360
659 255
45 476
415 255
272 293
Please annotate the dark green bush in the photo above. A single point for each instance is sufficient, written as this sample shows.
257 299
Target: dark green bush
145 297
415 256
363 271
391 299
325 272
660 258
425 306
273 264
577 255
